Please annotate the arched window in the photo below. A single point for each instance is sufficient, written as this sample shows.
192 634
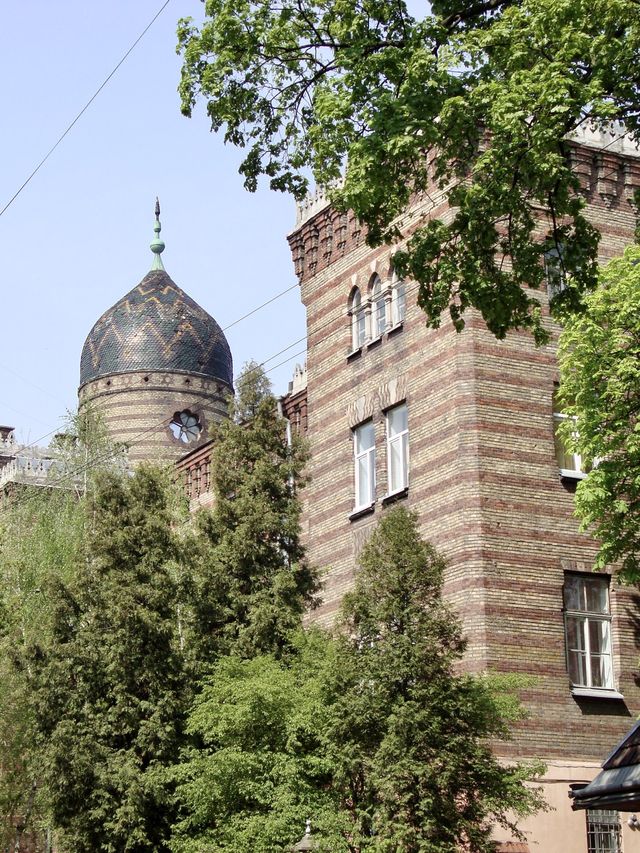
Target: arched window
379 308
185 426
358 320
398 300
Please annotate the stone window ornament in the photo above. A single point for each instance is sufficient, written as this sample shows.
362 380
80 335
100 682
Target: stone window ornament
185 426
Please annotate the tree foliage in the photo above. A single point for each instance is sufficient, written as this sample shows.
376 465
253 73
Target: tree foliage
413 764
477 98
252 580
262 767
600 389
41 537
109 687
370 733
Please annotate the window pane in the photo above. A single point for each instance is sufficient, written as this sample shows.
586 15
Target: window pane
603 831
596 595
598 636
576 633
397 420
572 589
400 301
565 459
359 328
364 481
599 671
397 478
381 316
365 437
577 668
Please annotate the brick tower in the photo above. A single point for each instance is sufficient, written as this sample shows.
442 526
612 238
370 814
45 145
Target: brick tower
156 367
461 429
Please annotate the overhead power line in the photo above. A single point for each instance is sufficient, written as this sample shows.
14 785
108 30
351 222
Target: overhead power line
85 108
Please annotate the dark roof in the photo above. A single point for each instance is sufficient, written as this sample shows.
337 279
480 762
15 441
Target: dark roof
617 786
156 327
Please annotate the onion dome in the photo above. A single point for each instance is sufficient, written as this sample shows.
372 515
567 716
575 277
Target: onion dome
156 327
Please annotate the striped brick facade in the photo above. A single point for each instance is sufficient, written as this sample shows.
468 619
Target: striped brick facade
483 479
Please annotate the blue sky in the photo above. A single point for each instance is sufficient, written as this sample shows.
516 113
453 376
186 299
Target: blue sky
76 239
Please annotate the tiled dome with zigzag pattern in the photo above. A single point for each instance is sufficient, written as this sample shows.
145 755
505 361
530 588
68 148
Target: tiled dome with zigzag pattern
156 327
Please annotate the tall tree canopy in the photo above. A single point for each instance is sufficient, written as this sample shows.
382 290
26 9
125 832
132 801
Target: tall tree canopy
600 390
413 764
478 95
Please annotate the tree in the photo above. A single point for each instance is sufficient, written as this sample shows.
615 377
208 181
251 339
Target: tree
41 537
262 766
476 97
251 578
370 733
109 688
600 391
413 762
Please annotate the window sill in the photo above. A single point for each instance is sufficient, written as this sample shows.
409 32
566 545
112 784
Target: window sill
374 342
595 693
568 474
394 329
359 512
356 353
395 496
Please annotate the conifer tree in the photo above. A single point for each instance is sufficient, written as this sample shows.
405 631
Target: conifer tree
252 580
408 735
110 686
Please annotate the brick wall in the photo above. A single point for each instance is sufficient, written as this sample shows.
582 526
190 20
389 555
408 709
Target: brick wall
483 474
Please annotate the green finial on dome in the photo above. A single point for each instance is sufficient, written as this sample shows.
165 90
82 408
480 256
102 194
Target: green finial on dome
157 245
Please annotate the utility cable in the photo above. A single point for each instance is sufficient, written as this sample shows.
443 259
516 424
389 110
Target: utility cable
85 108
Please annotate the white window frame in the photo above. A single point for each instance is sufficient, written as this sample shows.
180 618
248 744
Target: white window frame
398 301
358 320
367 455
581 658
378 309
604 833
576 471
394 440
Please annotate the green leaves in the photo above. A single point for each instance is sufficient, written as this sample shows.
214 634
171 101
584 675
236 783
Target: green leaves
475 100
600 388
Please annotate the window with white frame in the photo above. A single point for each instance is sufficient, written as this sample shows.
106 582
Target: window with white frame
398 301
379 305
569 463
587 618
603 831
358 320
364 447
397 449
554 271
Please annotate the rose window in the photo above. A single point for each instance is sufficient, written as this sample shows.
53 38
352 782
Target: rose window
185 427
